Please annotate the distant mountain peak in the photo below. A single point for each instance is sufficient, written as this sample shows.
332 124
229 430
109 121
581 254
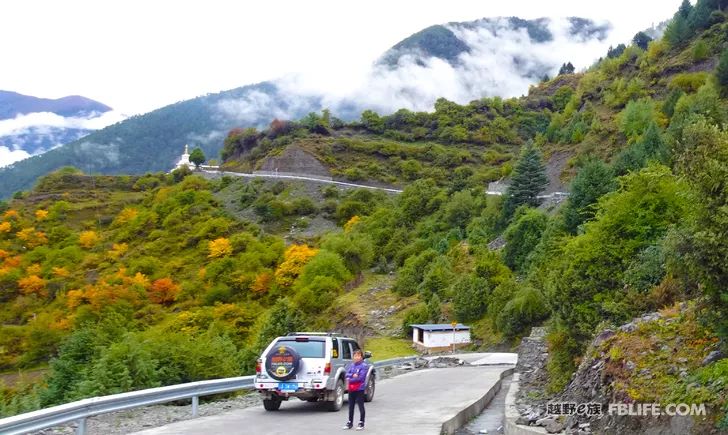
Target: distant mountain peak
13 104
442 40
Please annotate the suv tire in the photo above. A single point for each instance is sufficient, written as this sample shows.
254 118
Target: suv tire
272 404
369 391
296 363
338 402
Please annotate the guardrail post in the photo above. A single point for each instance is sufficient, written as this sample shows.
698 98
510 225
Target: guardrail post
195 405
81 428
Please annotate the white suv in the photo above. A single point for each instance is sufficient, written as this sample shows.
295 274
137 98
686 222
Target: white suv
310 366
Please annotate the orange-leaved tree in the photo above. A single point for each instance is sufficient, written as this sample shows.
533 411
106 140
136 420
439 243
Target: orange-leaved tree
163 291
262 282
11 214
5 227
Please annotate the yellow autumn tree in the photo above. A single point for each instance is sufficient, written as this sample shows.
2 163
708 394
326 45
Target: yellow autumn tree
294 259
88 239
26 234
41 215
126 215
60 272
75 298
5 227
139 279
118 250
33 284
350 224
31 237
262 283
34 269
220 248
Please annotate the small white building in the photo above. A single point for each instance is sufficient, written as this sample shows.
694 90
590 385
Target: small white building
436 337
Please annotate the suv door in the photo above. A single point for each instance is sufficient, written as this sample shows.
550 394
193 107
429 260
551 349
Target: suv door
335 351
336 355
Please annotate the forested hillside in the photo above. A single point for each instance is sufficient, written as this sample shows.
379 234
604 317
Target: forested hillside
126 147
129 282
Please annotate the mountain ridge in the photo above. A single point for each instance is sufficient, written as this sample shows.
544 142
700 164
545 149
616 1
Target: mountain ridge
13 104
204 121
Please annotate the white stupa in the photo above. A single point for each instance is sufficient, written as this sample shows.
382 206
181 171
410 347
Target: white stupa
185 159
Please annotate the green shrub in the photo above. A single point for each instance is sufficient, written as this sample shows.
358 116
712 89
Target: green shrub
355 249
410 276
688 82
700 51
219 293
527 308
563 350
522 236
416 315
470 296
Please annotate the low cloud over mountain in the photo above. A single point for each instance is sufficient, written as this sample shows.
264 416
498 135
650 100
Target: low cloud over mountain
458 61
31 126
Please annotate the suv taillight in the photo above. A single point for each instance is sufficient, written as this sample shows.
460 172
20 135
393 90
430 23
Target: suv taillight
257 366
327 369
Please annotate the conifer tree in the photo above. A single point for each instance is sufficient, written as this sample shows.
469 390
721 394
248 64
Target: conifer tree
566 68
593 180
721 72
529 179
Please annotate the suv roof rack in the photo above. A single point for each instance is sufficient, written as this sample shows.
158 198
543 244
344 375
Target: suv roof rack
323 334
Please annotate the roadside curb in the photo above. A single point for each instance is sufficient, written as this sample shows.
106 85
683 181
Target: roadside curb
462 417
511 414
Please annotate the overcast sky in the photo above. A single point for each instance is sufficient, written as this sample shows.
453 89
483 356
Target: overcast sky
136 55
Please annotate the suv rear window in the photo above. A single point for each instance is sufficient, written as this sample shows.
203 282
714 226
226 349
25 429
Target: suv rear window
306 349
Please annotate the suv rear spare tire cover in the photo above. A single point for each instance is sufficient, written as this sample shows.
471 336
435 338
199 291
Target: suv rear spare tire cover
282 362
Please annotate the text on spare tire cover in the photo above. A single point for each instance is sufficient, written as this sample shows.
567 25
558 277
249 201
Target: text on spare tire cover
282 362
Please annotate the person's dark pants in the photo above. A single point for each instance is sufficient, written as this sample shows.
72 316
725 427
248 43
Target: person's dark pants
358 398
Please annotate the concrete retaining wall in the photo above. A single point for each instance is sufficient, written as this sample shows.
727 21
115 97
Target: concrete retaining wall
509 426
472 411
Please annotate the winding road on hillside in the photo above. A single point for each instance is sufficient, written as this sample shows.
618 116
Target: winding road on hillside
300 177
418 402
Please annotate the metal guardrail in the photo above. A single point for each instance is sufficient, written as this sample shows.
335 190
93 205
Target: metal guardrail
81 410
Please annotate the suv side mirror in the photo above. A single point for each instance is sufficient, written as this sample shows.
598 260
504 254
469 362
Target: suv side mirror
367 354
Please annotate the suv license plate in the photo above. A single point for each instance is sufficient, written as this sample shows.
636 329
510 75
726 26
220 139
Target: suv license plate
288 387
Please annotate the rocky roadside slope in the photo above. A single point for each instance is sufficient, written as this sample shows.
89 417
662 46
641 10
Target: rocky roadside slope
663 357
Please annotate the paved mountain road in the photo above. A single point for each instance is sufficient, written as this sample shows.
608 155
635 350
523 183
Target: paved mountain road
417 402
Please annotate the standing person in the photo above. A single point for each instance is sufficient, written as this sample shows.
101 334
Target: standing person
356 376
